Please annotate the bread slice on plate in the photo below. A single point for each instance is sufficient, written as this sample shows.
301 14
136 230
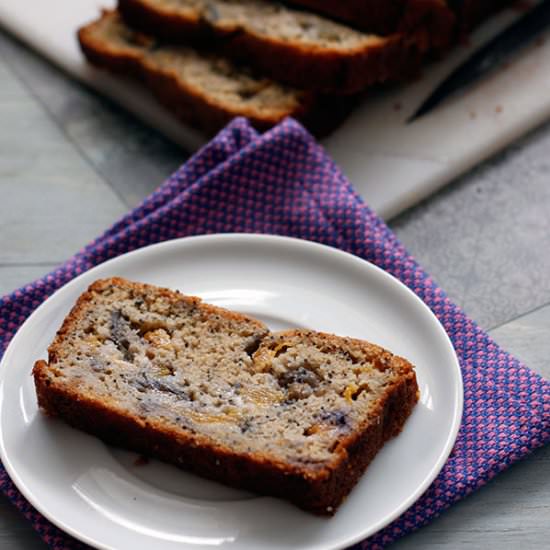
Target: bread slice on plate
204 89
297 414
300 48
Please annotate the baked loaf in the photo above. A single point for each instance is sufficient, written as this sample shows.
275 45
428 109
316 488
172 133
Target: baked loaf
297 47
433 18
296 414
201 88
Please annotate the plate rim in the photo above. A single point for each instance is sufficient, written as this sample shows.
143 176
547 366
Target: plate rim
436 468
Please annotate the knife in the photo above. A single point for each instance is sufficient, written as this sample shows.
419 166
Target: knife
513 39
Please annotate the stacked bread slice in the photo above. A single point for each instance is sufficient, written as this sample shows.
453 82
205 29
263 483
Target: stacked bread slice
211 60
202 88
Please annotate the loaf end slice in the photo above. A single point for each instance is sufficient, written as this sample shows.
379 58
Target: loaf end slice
297 415
201 88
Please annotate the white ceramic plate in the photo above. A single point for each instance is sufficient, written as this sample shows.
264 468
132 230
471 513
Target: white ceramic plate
101 496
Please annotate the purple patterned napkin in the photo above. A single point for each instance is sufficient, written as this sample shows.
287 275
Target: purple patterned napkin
282 183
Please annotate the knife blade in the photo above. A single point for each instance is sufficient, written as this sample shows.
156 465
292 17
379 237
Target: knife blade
489 57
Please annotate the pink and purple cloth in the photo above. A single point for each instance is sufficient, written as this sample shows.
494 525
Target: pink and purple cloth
283 183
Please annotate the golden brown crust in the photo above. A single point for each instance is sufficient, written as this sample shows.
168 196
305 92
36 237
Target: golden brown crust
124 62
317 488
337 70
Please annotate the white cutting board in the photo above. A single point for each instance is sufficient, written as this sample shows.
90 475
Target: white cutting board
391 164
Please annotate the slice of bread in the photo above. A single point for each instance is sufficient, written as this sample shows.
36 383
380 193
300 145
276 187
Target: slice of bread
297 47
297 414
432 17
203 89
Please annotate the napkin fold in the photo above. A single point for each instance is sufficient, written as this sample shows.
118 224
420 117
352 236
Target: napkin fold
283 183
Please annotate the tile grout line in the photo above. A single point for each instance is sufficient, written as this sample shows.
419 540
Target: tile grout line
54 120
519 316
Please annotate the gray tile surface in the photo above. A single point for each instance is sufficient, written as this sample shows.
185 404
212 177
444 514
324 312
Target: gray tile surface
46 185
129 156
528 338
486 237
71 163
